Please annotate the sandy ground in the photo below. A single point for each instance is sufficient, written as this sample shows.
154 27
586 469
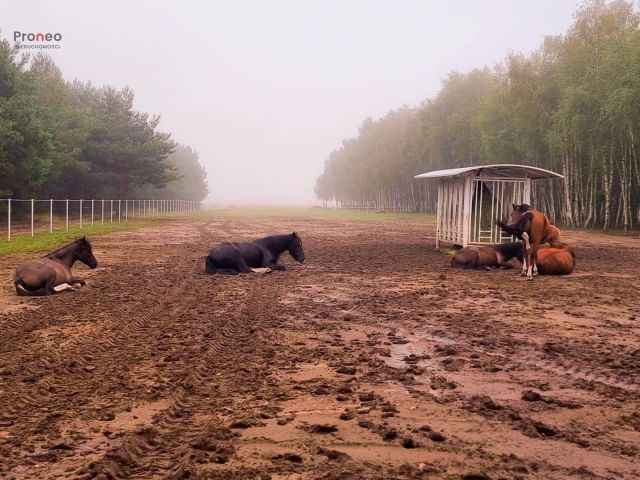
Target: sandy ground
373 359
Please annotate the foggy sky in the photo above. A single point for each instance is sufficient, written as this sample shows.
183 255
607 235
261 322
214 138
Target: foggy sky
264 90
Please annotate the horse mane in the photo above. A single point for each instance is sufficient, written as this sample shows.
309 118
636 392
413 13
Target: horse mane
516 228
276 241
282 236
510 249
77 240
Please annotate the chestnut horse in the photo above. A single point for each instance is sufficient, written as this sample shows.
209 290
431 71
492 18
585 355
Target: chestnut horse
538 230
487 257
42 276
558 259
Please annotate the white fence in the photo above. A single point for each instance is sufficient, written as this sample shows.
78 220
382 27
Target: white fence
24 217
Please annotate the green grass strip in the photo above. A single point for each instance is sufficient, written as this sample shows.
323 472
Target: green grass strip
45 241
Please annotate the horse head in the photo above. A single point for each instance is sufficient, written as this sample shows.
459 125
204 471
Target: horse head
295 247
518 210
84 252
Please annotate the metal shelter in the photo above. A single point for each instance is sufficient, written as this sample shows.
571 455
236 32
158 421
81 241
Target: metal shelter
471 199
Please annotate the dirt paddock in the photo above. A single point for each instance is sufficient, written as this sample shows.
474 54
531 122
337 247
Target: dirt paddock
373 359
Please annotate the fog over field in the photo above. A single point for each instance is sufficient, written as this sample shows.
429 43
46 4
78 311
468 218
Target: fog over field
265 90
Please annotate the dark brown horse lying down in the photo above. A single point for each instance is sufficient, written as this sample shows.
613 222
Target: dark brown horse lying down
248 257
556 260
42 276
493 256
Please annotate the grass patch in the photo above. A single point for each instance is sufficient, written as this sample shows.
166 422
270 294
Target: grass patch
45 242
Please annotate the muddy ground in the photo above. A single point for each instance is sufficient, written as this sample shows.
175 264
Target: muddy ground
373 359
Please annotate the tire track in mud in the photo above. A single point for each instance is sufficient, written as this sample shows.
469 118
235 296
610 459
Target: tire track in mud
46 388
223 381
222 371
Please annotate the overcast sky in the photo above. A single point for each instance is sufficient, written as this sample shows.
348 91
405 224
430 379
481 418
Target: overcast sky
264 90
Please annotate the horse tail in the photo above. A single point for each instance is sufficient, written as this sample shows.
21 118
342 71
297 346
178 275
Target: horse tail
22 291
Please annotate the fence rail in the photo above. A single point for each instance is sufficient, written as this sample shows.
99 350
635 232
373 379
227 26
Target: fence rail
31 216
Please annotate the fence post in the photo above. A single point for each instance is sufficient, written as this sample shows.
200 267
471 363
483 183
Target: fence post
126 210
67 210
80 213
102 216
51 215
92 202
111 211
9 220
119 209
32 217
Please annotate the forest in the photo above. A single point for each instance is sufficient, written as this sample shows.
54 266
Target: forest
571 106
69 139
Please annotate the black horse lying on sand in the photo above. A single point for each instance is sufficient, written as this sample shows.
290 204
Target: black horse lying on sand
231 257
487 257
42 276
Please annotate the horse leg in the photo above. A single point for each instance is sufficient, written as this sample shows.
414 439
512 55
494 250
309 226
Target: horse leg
534 257
525 252
50 286
268 261
79 281
528 256
242 266
46 289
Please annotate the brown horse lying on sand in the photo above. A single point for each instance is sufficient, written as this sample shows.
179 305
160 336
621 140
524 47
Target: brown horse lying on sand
42 276
487 257
538 230
556 260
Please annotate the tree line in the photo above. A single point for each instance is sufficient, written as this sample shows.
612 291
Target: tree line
70 139
572 106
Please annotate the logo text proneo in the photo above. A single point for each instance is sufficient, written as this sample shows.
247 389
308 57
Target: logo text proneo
36 37
37 40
